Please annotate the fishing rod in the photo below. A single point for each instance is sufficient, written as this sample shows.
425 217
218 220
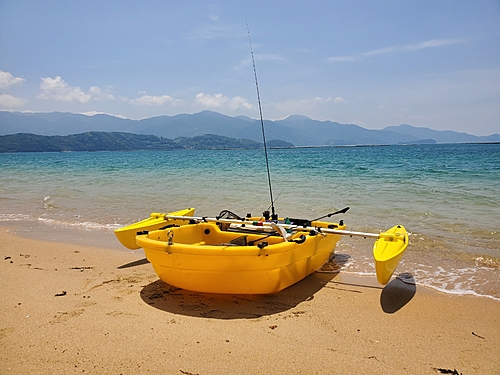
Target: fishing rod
265 214
274 216
342 211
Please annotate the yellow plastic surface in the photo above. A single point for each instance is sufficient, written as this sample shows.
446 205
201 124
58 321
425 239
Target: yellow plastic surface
156 220
202 259
388 251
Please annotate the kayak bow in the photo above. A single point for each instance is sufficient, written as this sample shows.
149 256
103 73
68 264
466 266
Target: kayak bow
155 221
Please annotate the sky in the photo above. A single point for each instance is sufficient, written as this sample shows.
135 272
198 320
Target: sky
426 63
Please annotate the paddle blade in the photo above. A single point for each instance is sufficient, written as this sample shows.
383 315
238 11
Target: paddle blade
388 250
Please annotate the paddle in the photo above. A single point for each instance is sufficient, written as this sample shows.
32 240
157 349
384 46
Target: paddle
287 226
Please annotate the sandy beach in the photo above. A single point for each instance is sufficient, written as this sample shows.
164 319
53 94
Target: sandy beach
71 308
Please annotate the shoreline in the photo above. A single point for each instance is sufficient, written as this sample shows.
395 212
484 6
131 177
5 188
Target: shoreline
73 235
105 238
73 308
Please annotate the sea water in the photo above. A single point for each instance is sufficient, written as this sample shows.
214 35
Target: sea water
447 196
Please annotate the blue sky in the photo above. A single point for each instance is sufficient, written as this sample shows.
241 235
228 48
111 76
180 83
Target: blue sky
425 63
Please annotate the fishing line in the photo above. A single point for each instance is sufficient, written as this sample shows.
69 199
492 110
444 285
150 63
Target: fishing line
274 216
262 217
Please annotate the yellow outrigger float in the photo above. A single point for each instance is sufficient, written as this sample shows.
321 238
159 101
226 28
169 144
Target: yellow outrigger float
249 256
155 221
388 250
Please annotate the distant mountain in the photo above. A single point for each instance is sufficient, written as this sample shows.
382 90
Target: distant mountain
206 122
57 123
444 136
301 130
116 141
297 130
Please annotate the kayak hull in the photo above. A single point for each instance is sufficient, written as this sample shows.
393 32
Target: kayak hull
155 221
388 251
203 258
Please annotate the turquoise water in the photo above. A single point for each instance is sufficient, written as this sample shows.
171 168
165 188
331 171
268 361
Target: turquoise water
447 196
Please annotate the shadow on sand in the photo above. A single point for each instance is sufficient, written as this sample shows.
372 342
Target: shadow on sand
135 263
231 306
398 293
165 297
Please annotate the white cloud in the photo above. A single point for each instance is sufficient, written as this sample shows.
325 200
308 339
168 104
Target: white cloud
211 101
97 94
301 105
156 100
7 80
340 58
238 102
219 101
59 90
339 99
433 43
381 51
212 31
9 101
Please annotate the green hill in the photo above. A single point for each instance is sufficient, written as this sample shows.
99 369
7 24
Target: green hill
118 141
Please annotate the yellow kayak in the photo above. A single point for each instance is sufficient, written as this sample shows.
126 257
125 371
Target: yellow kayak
155 221
387 252
229 254
204 258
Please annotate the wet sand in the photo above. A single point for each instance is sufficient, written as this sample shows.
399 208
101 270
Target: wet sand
70 308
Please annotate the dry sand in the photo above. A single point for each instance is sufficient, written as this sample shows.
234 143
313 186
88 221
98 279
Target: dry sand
70 308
